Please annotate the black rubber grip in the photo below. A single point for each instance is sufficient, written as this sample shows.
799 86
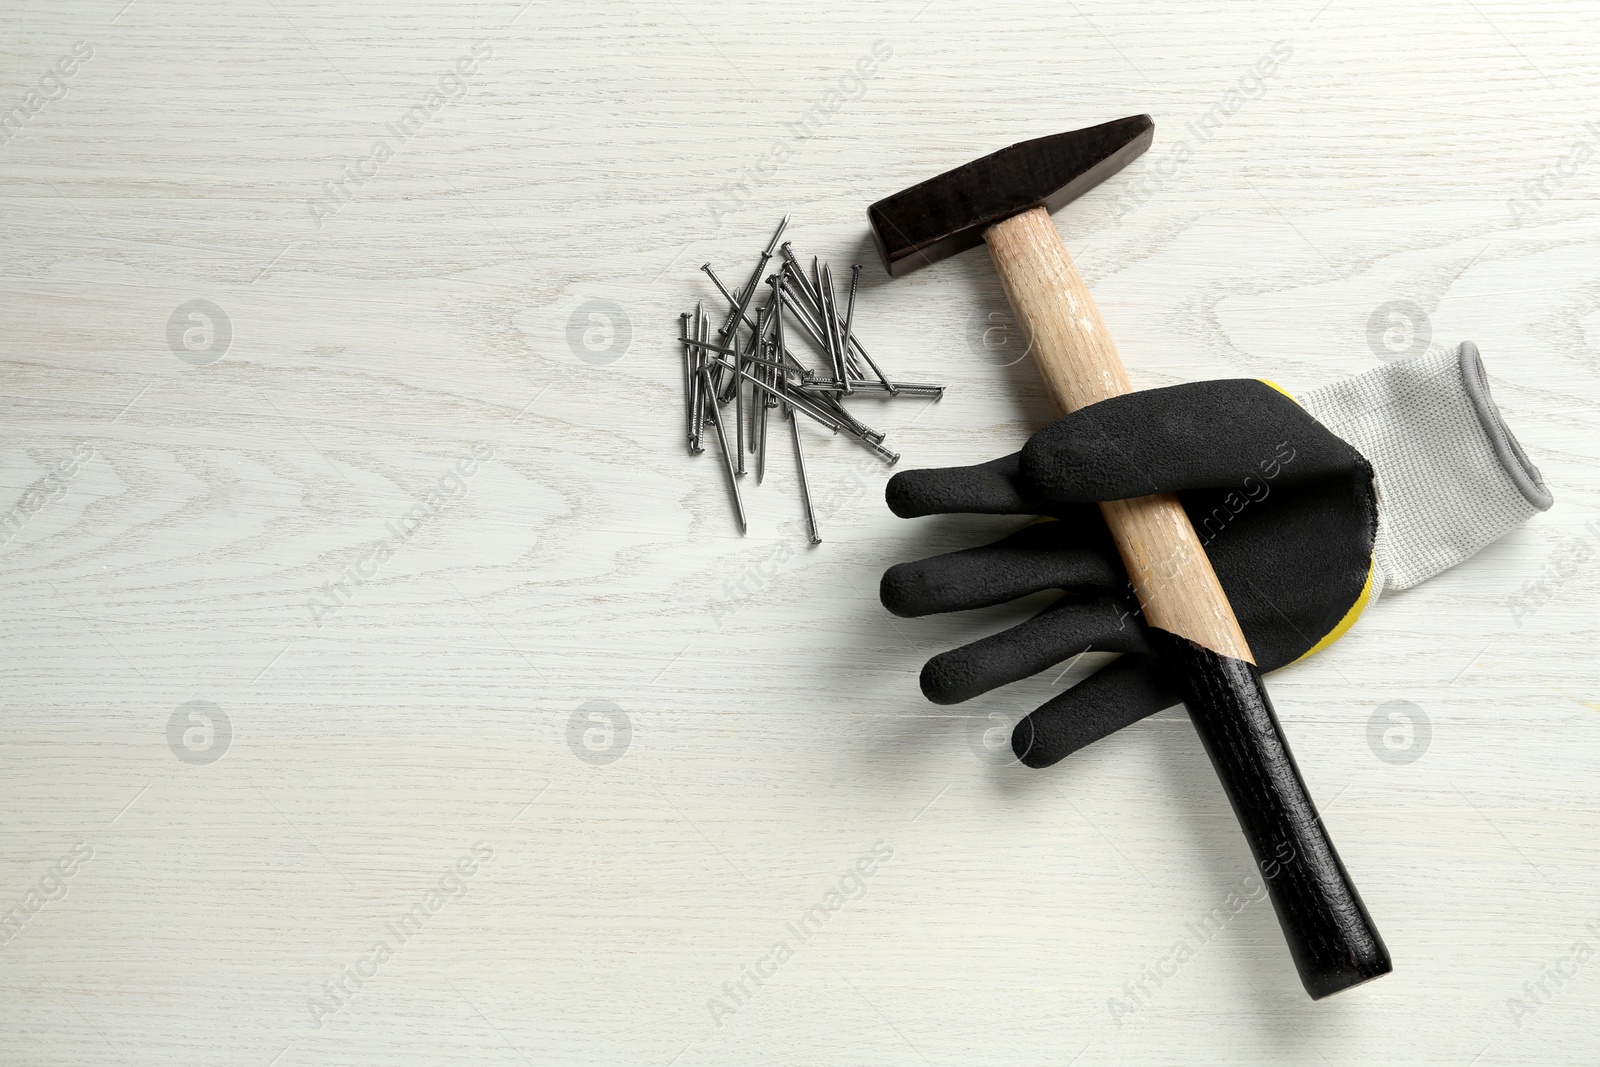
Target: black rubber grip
1330 935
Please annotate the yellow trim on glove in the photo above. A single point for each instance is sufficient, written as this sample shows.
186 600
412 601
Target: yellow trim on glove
1279 388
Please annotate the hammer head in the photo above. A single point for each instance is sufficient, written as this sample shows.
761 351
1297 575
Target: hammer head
948 214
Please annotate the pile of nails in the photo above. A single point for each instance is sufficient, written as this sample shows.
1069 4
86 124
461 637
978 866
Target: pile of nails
752 367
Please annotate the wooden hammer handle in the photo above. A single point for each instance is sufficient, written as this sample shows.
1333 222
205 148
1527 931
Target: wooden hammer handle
1080 366
1331 937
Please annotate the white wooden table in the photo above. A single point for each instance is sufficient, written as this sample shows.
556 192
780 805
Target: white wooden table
537 773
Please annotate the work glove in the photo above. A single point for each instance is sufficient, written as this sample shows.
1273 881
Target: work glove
1308 510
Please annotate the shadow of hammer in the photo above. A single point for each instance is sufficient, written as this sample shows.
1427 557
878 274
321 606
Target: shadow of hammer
1004 200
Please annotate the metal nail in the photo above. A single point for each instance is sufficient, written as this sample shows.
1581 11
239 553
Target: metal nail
799 273
823 319
738 401
689 357
733 301
780 297
761 433
830 335
805 485
833 307
729 325
725 388
786 253
773 347
830 321
849 334
905 389
697 399
716 378
891 458
850 304
753 356
774 242
711 346
708 399
727 454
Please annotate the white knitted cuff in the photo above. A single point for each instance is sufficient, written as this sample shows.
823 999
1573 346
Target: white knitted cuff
1451 478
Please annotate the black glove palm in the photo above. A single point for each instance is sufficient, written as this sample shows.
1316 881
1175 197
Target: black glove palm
1285 509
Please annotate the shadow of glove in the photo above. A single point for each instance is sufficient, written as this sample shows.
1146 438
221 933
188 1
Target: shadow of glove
1303 528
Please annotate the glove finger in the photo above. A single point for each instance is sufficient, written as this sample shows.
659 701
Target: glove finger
1118 695
1070 556
1064 629
1240 434
985 489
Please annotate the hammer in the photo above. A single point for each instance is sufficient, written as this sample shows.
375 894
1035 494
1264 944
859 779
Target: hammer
1004 200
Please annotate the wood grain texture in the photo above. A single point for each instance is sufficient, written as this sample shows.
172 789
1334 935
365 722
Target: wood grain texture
775 731
1078 361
